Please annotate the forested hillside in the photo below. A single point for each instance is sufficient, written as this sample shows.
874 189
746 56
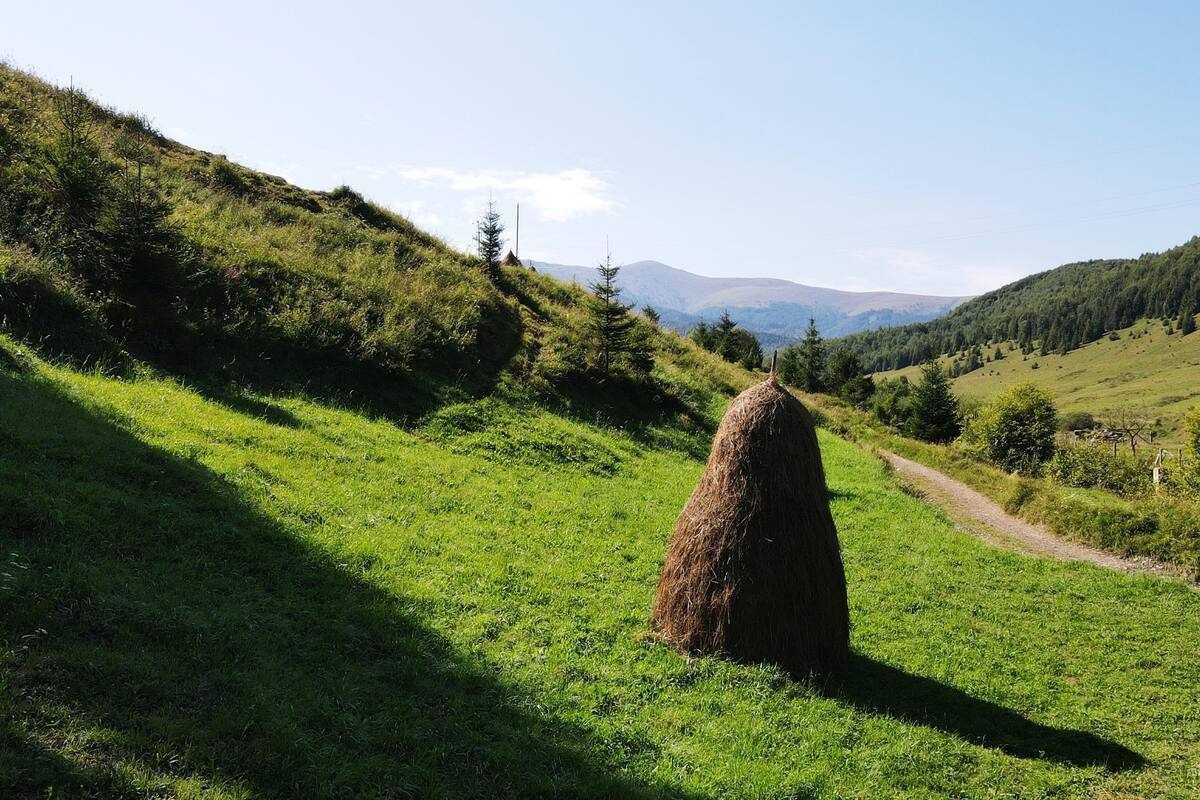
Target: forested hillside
1054 311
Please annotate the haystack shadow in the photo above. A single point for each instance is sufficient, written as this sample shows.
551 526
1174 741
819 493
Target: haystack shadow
213 642
877 688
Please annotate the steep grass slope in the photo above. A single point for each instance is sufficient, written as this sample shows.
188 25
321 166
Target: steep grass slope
276 597
1140 368
121 248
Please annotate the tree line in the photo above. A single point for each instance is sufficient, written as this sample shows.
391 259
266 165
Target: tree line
811 365
1052 312
729 340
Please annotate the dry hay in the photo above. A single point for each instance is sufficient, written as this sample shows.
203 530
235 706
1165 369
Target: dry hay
754 570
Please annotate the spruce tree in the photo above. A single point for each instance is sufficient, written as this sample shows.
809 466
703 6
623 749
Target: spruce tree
723 327
810 358
612 327
844 366
934 410
1187 317
488 239
702 335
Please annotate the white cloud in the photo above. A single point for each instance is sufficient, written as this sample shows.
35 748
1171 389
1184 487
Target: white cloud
557 196
419 213
908 270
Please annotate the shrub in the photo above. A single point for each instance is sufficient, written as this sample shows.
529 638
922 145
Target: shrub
1092 466
858 391
1191 427
891 401
1077 421
1190 477
225 176
1015 431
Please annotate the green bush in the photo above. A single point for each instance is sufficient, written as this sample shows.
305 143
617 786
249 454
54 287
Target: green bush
1094 466
1191 427
1015 431
891 402
1187 480
1077 421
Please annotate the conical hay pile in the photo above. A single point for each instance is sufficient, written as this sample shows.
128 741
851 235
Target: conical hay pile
754 569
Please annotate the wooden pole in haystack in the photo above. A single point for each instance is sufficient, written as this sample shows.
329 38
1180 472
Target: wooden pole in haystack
754 570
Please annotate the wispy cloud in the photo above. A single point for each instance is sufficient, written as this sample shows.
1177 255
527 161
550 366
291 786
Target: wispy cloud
910 270
419 213
557 196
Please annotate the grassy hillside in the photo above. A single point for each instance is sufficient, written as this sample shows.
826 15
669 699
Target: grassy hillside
282 598
1141 367
1058 310
124 250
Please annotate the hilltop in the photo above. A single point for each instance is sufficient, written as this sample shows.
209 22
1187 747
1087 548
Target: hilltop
1055 311
774 309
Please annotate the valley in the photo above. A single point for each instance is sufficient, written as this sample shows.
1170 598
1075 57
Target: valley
777 311
299 500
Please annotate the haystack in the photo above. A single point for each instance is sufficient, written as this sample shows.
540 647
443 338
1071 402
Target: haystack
754 570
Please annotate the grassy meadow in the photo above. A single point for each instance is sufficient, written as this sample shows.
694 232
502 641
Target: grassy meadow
1154 372
296 501
249 595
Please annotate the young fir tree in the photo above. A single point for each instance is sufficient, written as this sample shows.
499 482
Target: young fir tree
487 239
702 335
973 360
810 360
933 409
843 367
612 327
651 313
723 327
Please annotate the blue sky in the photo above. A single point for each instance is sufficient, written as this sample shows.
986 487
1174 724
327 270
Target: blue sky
939 148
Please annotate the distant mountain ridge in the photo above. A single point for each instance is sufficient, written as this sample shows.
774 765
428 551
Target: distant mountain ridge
776 309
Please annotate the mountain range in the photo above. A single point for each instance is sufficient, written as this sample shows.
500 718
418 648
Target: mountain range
776 310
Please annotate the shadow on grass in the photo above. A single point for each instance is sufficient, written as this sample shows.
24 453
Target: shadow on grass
639 408
200 639
220 344
877 688
241 401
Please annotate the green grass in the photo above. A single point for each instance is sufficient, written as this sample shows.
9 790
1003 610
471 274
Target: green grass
1163 527
1154 372
261 596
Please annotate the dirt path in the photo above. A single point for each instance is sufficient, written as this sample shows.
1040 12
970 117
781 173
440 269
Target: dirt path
981 516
